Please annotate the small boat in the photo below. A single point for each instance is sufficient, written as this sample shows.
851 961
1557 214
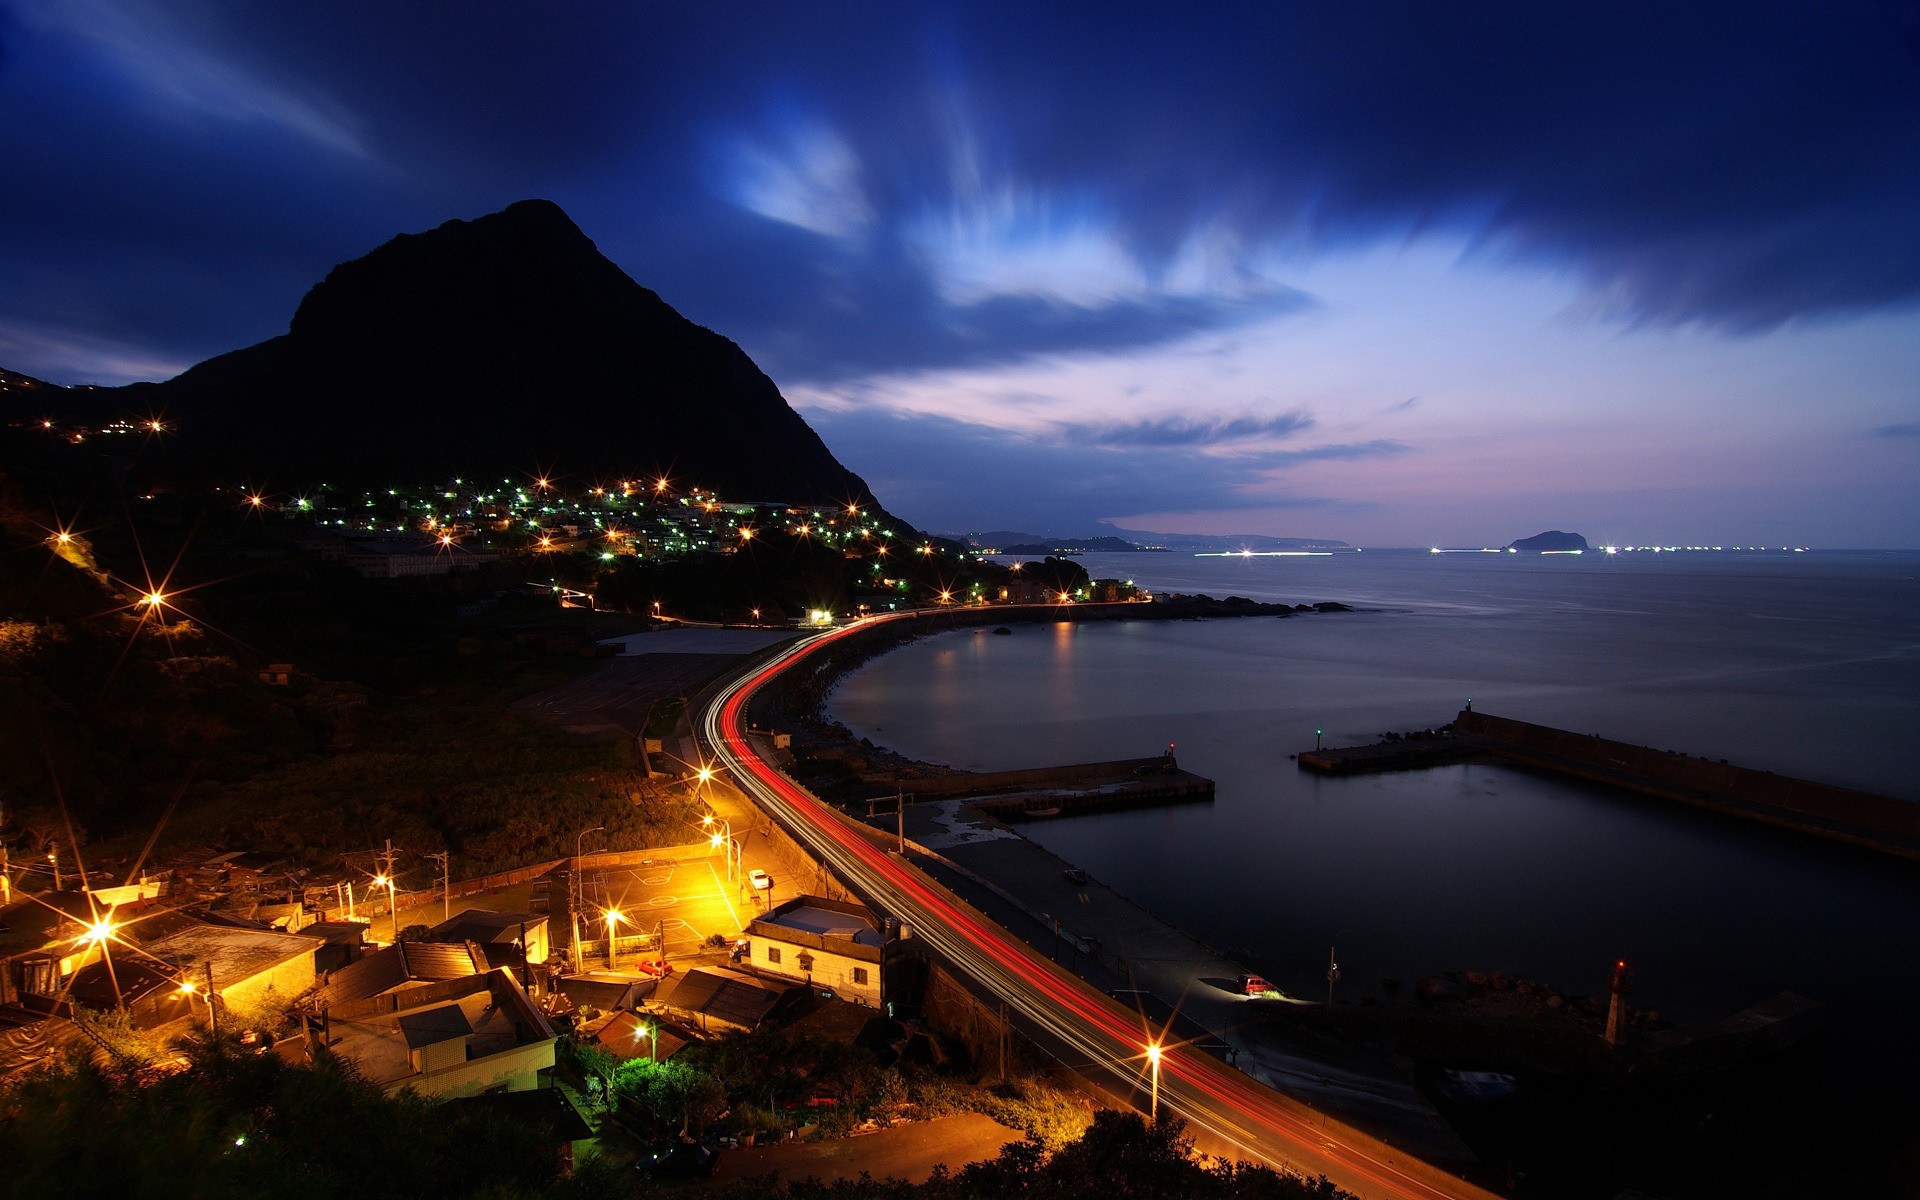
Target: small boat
1049 811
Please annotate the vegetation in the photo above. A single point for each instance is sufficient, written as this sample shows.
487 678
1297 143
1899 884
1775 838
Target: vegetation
242 1125
1119 1156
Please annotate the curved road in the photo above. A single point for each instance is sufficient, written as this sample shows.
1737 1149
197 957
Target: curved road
1264 1125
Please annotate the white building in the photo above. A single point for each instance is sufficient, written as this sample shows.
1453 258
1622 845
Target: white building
824 943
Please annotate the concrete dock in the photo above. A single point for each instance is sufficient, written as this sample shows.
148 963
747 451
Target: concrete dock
1052 791
1863 819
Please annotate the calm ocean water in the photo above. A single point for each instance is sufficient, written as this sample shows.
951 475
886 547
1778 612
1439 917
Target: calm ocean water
1806 664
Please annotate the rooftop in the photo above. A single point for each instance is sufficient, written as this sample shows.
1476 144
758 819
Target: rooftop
825 918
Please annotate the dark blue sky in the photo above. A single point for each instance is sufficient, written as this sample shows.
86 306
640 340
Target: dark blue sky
1391 272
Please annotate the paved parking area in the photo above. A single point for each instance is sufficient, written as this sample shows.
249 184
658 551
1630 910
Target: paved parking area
691 899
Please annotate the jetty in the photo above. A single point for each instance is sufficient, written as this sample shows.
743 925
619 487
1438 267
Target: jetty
1875 822
1063 790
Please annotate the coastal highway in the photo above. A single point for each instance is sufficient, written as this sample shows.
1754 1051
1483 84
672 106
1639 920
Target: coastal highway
1263 1125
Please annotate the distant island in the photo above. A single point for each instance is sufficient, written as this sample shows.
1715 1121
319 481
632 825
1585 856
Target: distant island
1553 541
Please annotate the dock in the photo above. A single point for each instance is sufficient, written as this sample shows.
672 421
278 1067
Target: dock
1881 823
1429 749
1077 788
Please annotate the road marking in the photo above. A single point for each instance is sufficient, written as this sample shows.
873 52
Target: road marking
663 902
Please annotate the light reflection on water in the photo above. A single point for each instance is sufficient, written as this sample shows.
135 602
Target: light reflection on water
1807 666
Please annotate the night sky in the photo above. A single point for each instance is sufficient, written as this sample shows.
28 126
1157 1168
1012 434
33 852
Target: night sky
1389 272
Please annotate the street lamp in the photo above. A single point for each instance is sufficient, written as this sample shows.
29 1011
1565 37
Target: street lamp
1153 1059
393 902
652 1030
613 923
573 890
724 838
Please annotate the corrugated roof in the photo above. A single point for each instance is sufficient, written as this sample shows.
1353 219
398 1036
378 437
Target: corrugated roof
437 961
483 926
381 971
732 999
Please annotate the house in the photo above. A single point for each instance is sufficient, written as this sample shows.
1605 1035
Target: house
524 933
389 975
717 1000
633 1035
244 967
341 944
460 1038
823 943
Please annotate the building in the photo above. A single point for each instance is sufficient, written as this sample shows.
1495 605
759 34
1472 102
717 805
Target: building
474 1035
388 976
523 935
246 968
824 943
716 1000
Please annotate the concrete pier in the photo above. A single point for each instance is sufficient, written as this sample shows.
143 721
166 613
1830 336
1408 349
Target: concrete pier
1076 788
1839 814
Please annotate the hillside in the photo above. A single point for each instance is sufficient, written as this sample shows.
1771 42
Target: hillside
504 345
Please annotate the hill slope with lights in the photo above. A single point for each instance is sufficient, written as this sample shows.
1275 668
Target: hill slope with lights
506 345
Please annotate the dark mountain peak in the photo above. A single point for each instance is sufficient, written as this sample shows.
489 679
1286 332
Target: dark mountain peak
506 344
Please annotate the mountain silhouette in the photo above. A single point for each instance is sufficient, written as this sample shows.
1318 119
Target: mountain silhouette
506 345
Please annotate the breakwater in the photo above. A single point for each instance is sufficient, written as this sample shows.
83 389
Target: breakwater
1840 814
1051 791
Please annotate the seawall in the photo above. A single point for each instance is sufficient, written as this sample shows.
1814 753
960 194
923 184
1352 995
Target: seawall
1840 814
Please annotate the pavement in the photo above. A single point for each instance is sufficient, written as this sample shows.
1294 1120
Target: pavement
908 1152
1118 946
689 900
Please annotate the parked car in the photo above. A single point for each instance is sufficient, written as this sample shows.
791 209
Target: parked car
1254 985
760 880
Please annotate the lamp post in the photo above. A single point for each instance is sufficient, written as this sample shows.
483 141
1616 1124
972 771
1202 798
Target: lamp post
573 892
393 902
1153 1060
613 924
724 838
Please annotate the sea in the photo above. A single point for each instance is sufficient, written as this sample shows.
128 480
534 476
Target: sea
1805 663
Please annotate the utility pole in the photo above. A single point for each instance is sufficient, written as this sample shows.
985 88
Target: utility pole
213 1017
53 857
1003 1041
573 896
393 890
445 860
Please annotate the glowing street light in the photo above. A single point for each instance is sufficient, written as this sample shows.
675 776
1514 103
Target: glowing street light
393 902
613 921
1153 1060
101 930
153 600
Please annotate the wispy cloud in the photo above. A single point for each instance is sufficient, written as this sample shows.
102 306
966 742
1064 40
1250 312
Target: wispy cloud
62 354
1908 430
150 47
807 176
1191 432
